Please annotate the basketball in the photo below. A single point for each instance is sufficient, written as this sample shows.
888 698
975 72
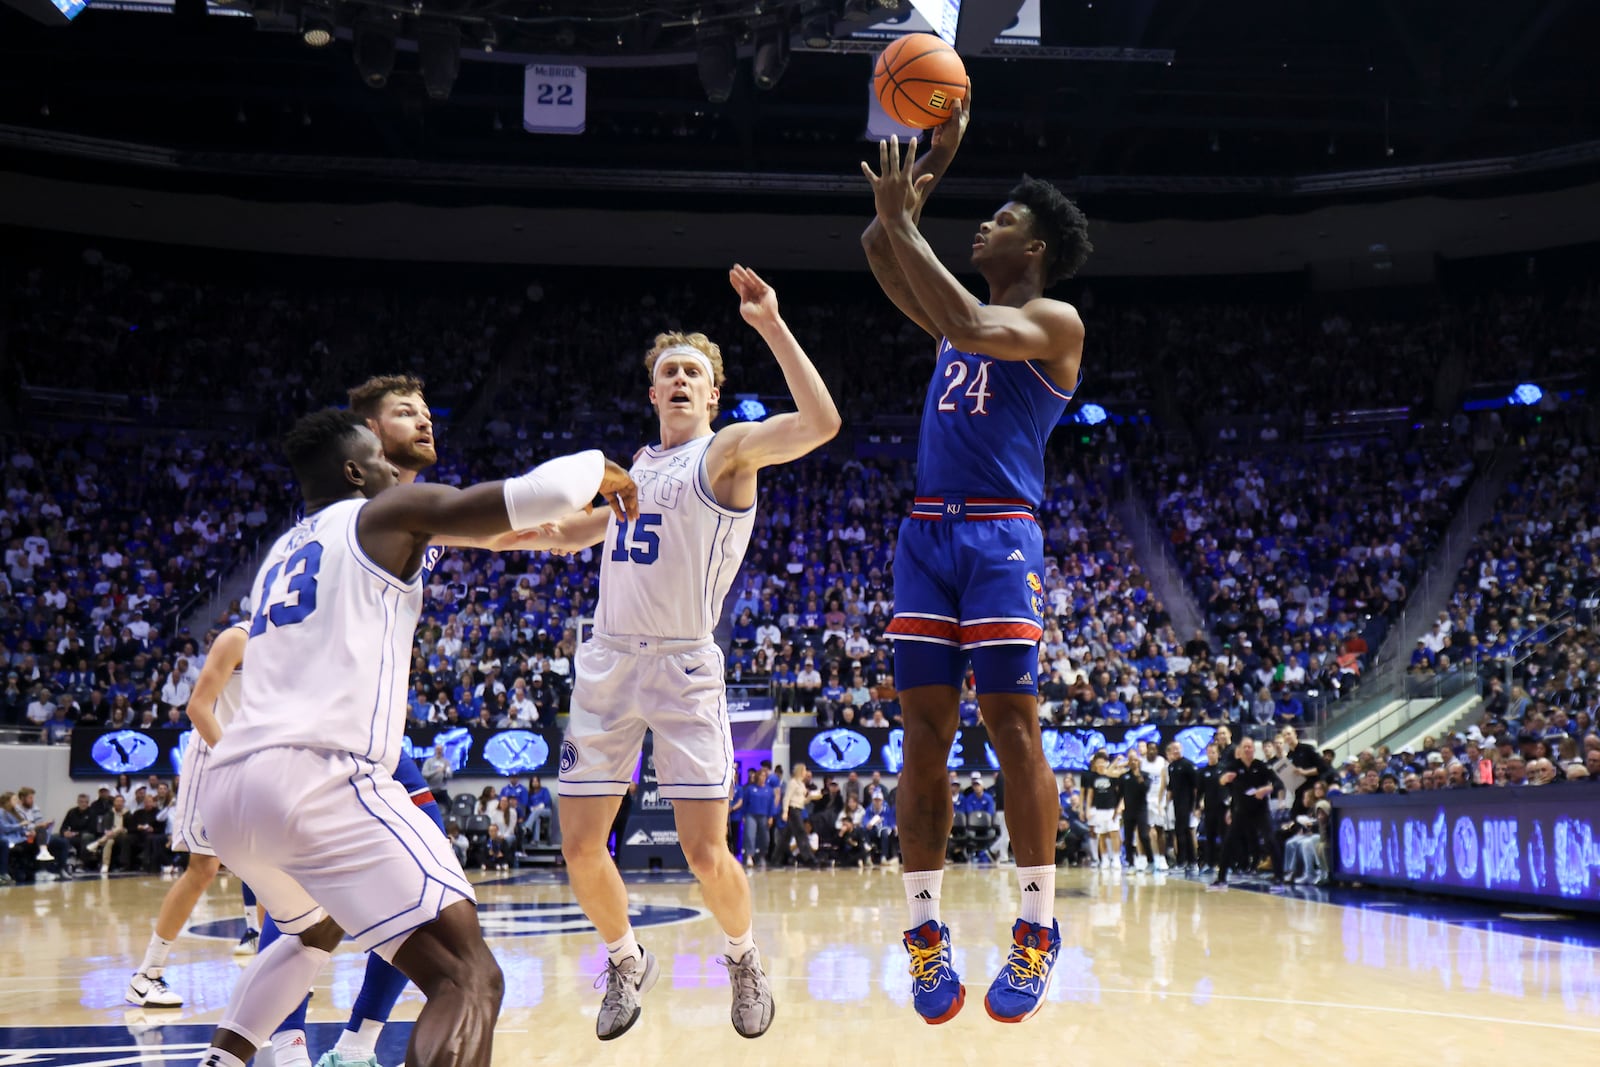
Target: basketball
917 78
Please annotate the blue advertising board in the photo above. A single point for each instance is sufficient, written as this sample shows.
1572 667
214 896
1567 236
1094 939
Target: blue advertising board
1529 845
865 748
472 752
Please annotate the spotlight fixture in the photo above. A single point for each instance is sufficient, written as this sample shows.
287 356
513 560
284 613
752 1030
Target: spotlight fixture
816 23
375 34
316 28
718 62
439 45
772 54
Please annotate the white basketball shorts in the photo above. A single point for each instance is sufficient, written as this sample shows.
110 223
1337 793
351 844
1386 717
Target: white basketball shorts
1162 818
188 832
1104 821
626 685
319 833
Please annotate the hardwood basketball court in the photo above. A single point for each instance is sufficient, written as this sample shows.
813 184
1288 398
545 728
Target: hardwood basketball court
1151 970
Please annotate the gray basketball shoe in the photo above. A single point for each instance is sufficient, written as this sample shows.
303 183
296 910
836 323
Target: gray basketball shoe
625 985
752 996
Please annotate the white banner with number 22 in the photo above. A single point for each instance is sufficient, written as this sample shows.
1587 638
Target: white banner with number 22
554 98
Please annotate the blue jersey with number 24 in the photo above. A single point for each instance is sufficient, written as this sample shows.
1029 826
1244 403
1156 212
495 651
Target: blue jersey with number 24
984 427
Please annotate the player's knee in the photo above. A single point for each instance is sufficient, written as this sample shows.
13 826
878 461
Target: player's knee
703 856
325 935
202 870
484 978
583 848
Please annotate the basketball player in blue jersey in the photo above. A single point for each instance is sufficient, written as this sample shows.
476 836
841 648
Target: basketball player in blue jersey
396 410
967 572
652 663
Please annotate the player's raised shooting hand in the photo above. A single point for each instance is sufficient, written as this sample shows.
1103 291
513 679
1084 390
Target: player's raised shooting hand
758 301
616 485
945 138
894 190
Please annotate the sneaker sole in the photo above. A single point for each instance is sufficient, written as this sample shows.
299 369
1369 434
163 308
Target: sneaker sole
761 1031
952 1012
652 971
139 1002
1031 1012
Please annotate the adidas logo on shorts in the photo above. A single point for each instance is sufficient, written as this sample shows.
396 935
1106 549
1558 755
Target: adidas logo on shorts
1026 679
1017 556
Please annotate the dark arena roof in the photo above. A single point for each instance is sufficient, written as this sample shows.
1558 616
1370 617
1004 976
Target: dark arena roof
1137 102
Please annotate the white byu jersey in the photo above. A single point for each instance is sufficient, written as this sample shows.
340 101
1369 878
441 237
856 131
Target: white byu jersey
329 649
666 574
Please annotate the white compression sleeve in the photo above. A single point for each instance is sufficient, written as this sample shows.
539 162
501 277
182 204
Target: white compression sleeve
554 488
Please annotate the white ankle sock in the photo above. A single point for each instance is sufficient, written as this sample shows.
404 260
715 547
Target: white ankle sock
362 1042
1038 886
215 1057
625 949
922 895
289 1049
739 946
155 957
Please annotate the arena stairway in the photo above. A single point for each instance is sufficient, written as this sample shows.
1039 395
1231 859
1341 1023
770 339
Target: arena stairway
1154 553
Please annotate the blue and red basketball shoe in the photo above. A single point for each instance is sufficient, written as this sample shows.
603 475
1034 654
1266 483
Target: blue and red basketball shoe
936 989
1018 990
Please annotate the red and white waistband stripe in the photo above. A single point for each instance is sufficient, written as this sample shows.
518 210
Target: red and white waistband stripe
970 509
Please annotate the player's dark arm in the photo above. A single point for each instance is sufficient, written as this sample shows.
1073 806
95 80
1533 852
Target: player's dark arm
880 254
1048 331
880 251
395 526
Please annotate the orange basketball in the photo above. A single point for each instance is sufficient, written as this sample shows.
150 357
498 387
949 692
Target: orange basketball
917 78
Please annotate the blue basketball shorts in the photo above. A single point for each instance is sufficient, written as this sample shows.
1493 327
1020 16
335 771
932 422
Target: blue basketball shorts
968 589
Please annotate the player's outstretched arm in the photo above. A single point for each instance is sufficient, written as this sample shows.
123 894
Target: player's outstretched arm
745 448
574 533
1048 331
396 525
227 652
875 240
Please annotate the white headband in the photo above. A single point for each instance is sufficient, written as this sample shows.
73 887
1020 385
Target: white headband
688 352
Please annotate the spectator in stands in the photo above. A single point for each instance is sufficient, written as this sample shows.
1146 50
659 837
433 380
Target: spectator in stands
755 807
78 828
43 832
142 846
18 851
436 772
541 811
878 830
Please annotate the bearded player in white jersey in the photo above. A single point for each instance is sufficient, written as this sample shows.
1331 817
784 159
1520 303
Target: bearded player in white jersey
300 798
652 663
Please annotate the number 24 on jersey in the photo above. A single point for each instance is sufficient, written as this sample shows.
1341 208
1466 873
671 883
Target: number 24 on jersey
957 370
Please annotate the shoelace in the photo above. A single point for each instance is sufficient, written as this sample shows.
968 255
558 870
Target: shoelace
746 981
1026 963
926 961
605 979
